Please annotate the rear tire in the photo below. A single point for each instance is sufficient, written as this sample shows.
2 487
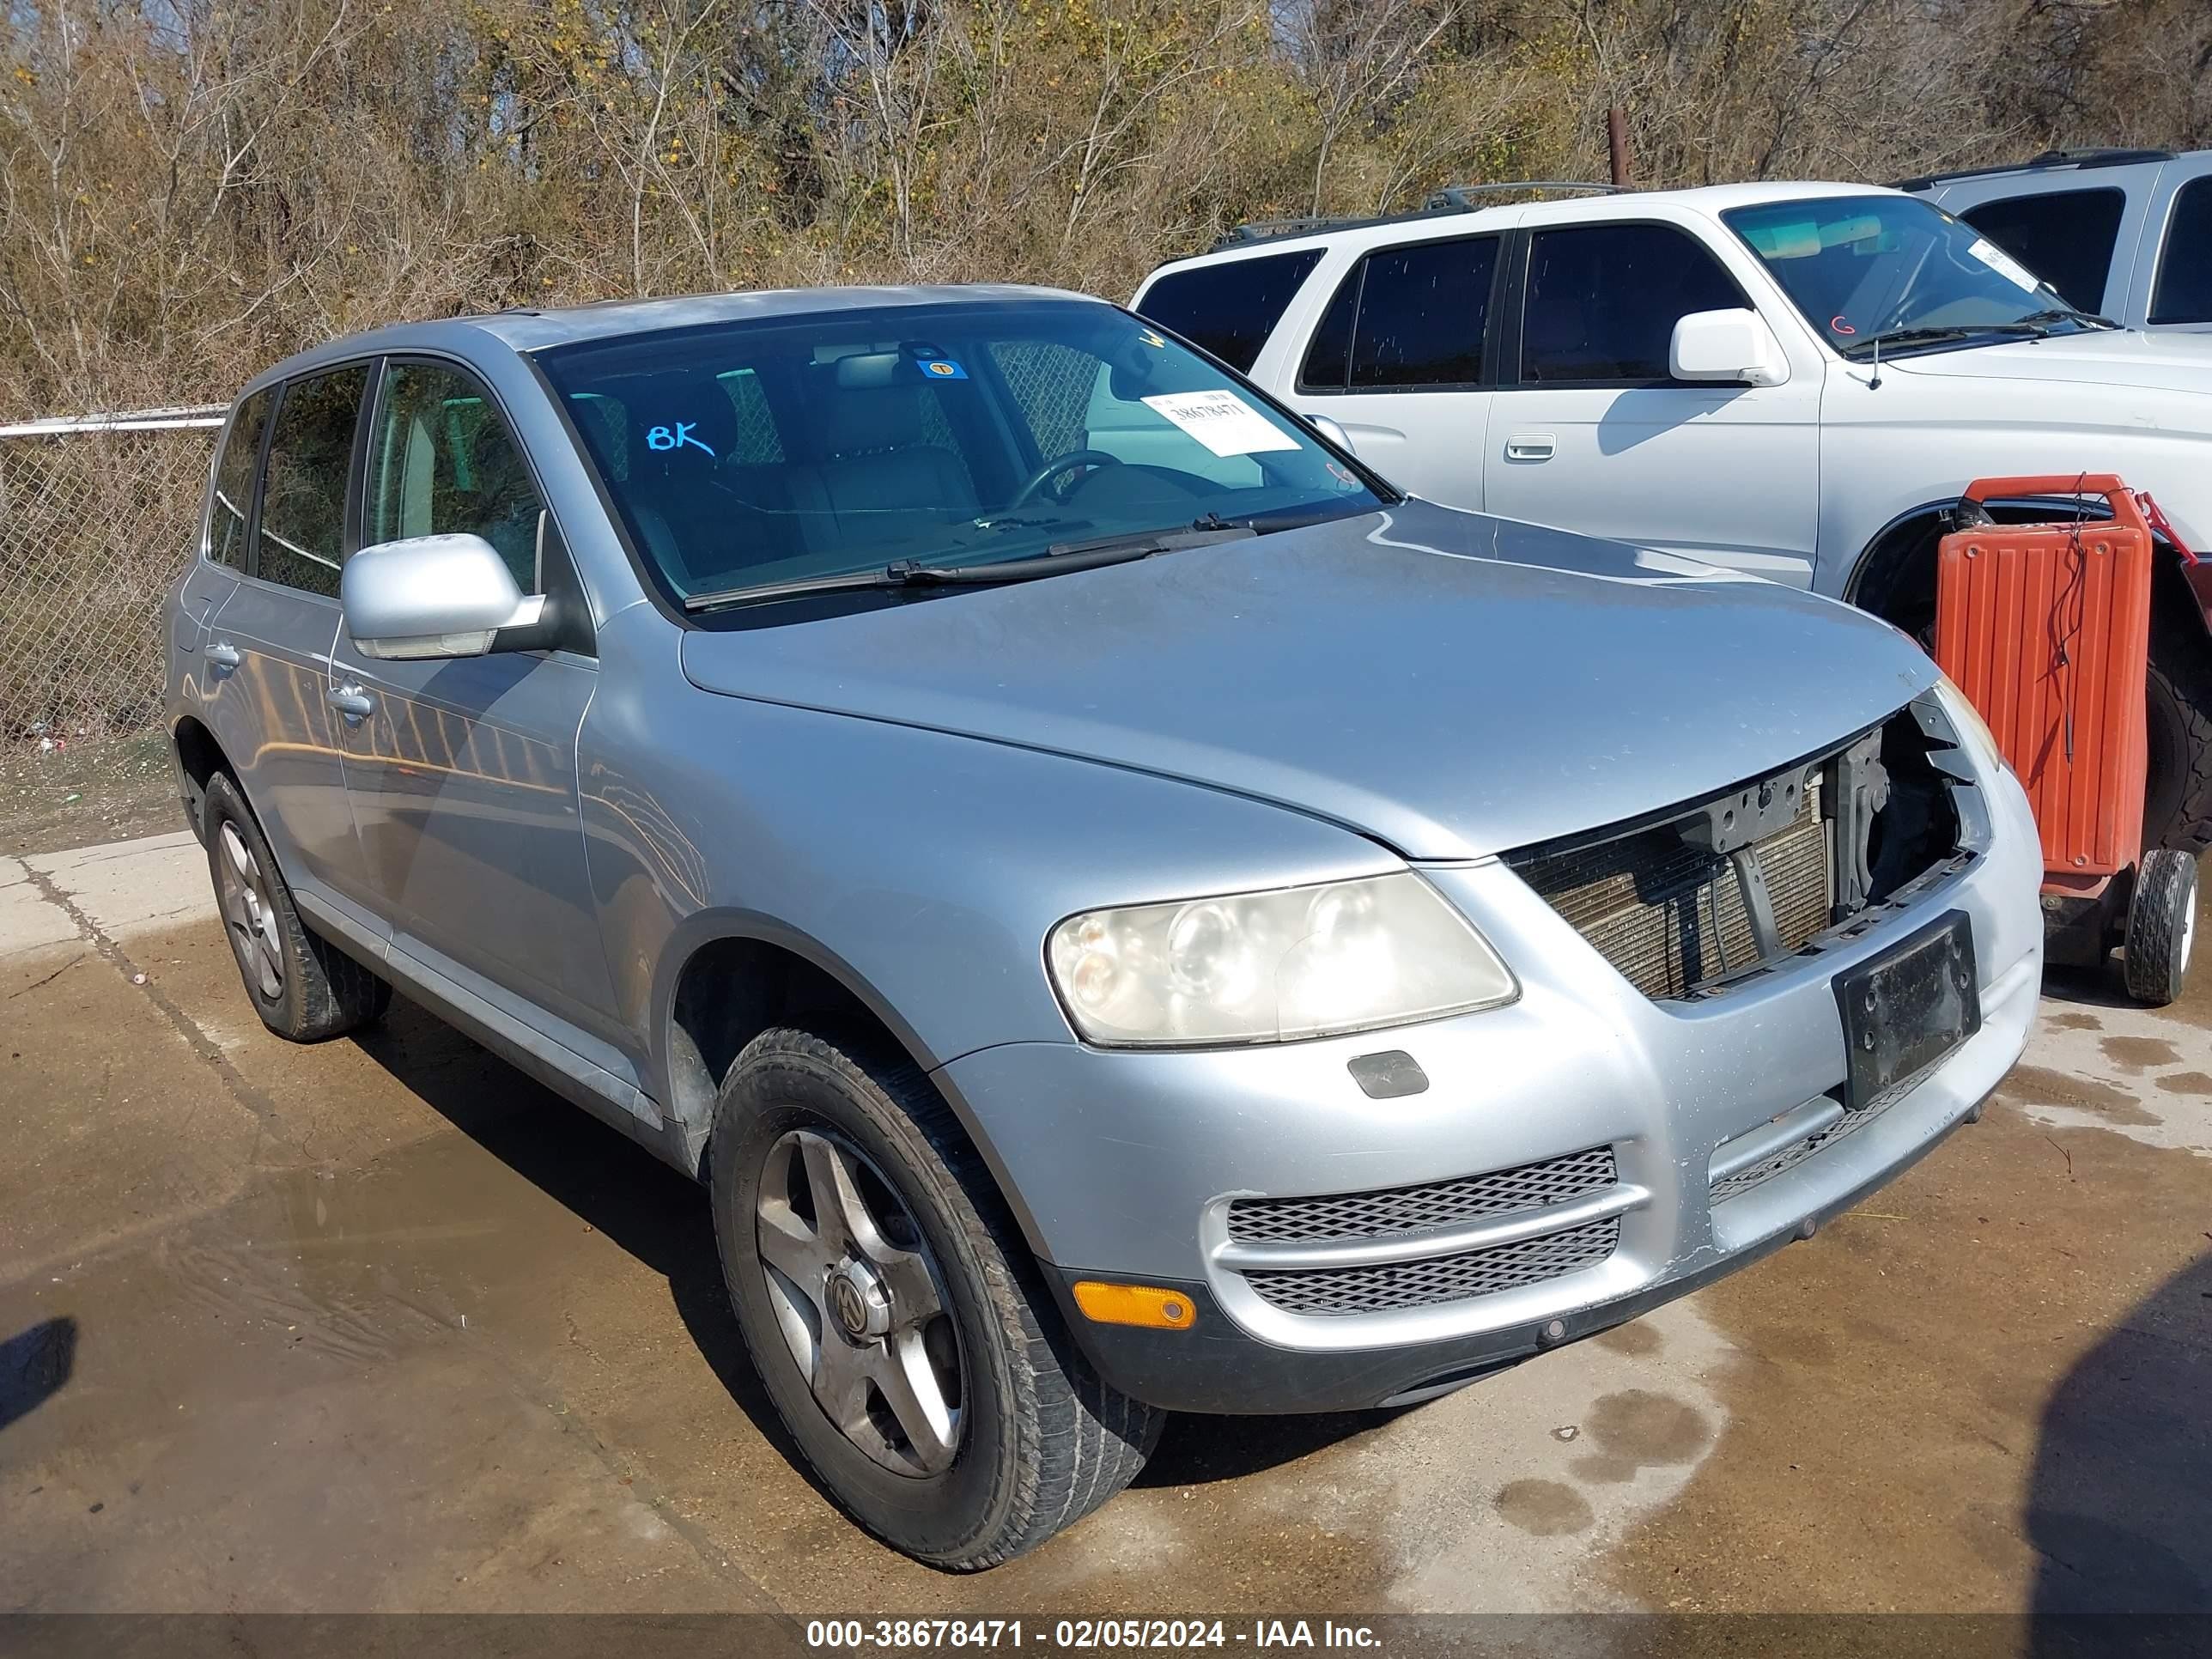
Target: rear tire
2162 926
1036 1440
304 988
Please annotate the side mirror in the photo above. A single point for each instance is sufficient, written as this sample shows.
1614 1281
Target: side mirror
1734 347
431 596
1330 430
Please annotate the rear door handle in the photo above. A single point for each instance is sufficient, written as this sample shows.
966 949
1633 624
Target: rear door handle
1531 447
355 704
221 654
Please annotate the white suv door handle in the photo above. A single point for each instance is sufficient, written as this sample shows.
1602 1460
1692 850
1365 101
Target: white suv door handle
350 701
1530 446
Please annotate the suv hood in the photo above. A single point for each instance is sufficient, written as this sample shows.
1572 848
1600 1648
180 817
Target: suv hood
1449 684
2118 358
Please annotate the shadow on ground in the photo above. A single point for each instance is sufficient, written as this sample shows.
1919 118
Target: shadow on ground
2119 1502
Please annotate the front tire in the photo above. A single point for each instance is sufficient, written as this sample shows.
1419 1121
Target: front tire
895 1315
304 988
2177 804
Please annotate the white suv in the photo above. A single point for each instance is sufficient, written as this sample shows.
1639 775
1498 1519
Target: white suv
2125 232
1797 380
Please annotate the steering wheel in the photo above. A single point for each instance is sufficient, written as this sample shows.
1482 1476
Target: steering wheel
1053 468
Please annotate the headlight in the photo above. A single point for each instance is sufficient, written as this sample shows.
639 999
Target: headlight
1297 961
1973 730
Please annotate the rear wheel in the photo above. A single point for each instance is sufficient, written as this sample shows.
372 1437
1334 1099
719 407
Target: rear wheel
895 1315
303 987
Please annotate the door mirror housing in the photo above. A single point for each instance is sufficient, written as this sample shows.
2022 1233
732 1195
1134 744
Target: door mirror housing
1734 347
1332 431
432 596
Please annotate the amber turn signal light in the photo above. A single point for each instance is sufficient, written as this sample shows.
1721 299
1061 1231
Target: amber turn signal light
1134 1304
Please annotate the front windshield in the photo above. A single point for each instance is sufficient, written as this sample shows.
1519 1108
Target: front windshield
1863 268
748 453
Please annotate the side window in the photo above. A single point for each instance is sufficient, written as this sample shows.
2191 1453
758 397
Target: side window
441 462
2064 236
233 483
1603 300
1230 307
303 491
1406 317
2184 270
1327 366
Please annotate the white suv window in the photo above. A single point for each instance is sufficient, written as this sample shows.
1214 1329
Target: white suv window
1603 300
1413 316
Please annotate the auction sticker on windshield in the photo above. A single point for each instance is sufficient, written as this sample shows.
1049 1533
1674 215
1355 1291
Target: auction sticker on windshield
1222 421
2003 262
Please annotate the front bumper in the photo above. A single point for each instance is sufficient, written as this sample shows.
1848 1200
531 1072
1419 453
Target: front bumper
1122 1165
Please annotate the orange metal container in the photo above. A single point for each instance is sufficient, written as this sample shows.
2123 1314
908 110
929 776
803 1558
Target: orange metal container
2046 629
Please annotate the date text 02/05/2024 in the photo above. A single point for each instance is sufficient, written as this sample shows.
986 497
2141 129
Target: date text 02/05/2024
1086 1635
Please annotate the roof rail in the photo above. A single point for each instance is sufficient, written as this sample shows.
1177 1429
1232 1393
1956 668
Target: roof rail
2049 160
1453 199
1455 196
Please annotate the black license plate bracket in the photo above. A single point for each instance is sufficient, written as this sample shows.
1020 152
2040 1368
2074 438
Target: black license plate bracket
1905 1009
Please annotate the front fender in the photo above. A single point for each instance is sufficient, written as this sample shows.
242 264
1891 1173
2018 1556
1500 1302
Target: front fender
920 869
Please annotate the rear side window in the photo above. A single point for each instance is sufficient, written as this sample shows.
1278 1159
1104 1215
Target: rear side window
233 483
1230 308
443 463
2184 270
2066 237
1406 317
1603 300
304 491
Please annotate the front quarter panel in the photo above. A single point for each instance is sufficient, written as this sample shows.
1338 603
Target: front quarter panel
1919 440
922 869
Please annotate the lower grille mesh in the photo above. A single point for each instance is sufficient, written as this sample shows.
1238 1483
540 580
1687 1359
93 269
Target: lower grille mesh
1339 1291
1670 915
1438 1204
1789 1157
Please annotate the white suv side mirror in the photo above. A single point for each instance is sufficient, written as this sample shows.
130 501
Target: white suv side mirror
1736 347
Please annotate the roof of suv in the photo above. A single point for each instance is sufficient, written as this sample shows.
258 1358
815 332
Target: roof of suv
1708 201
2052 161
533 330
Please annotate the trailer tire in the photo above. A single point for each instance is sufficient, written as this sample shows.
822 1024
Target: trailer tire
2162 926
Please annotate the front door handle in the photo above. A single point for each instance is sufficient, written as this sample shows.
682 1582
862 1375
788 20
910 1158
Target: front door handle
1531 447
221 655
350 700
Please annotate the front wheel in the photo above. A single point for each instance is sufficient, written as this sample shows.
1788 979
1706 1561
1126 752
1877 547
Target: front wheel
2177 804
895 1315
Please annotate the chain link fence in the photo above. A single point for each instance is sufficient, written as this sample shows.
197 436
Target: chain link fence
96 516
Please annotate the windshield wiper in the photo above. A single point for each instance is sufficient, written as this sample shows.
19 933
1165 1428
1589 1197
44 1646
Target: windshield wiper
2068 315
1064 556
1059 559
2037 325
